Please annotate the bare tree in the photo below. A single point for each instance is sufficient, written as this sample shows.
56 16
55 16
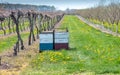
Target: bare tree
40 22
1 25
15 17
31 17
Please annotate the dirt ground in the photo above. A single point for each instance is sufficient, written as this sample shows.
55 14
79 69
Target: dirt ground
13 65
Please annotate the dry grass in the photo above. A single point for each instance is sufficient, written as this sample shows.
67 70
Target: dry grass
18 63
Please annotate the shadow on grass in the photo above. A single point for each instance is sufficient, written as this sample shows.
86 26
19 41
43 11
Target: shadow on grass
73 49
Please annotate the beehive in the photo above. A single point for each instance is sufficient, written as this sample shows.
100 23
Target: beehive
46 41
61 40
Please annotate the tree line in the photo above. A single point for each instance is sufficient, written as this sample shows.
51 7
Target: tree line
9 6
106 15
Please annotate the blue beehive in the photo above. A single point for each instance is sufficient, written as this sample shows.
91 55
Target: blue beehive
46 41
46 46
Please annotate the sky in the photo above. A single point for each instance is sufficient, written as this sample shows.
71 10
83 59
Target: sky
59 4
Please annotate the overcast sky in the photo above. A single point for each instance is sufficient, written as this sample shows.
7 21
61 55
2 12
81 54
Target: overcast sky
59 4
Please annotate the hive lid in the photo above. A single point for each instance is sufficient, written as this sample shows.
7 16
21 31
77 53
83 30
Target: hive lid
60 29
47 32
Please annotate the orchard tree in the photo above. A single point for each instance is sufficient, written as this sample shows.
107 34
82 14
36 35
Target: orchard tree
31 18
1 25
16 15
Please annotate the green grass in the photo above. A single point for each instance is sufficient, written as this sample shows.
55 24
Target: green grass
9 42
91 52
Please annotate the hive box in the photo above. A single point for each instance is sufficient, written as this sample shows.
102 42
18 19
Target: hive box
46 41
59 46
61 40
